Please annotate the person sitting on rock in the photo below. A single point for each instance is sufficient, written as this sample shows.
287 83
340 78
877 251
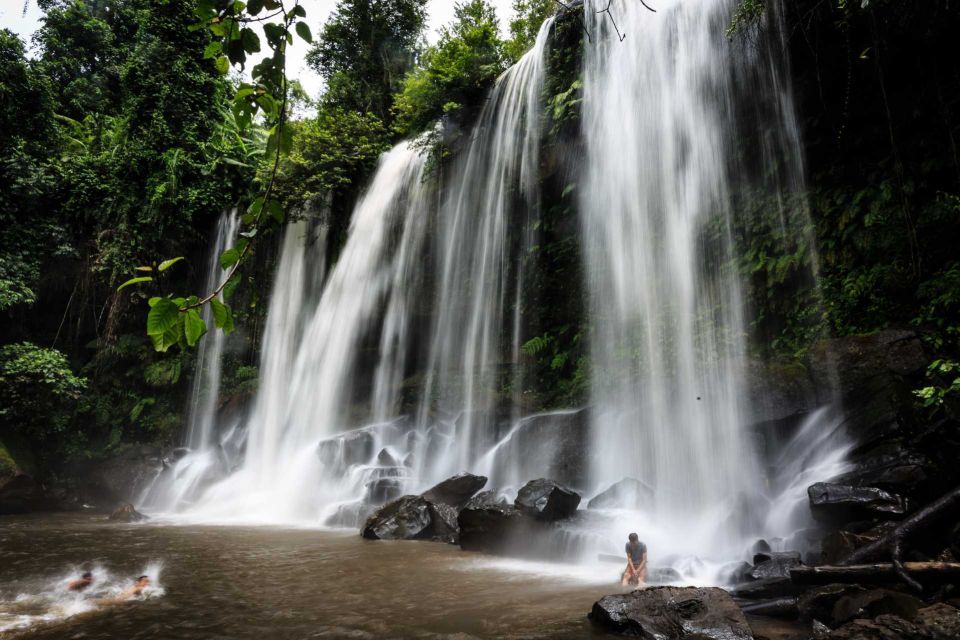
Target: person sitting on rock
82 583
636 571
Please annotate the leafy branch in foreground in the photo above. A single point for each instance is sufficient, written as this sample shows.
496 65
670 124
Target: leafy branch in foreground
174 320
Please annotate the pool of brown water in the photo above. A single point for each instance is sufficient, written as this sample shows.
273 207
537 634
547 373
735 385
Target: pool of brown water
264 583
271 583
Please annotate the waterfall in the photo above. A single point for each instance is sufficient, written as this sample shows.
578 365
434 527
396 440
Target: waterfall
670 330
483 230
206 381
401 366
172 487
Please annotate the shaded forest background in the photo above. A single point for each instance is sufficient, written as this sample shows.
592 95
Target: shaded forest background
118 149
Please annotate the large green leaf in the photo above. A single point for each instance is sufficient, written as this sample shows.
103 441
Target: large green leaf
229 258
304 31
194 327
163 324
222 316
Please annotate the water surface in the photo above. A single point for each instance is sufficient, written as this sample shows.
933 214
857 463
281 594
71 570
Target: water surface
258 582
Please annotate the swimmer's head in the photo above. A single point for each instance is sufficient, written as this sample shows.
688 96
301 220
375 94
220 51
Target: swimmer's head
633 537
87 575
143 580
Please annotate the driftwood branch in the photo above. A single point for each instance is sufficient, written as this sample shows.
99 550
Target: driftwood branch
892 543
930 572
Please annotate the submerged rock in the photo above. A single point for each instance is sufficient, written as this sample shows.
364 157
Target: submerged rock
673 612
547 500
845 503
456 490
126 513
629 493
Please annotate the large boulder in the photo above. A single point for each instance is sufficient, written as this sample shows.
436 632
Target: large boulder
504 530
629 493
413 518
891 468
444 525
489 498
547 500
455 491
407 518
662 613
844 503
774 564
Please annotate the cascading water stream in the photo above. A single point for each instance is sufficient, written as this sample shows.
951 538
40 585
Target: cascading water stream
670 332
490 206
171 488
206 381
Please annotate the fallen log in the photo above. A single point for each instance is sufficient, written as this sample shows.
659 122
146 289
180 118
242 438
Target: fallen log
894 540
929 572
777 607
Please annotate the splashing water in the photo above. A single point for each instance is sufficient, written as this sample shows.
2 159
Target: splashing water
45 601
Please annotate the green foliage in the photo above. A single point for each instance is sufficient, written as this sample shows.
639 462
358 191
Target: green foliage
747 15
455 74
528 16
329 153
364 50
942 395
38 391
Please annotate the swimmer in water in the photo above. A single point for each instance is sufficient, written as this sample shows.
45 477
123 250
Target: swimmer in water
79 585
134 591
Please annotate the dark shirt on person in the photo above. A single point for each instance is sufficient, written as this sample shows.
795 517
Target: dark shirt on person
636 551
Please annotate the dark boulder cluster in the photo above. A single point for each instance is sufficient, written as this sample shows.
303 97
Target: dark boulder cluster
884 562
457 512
430 516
